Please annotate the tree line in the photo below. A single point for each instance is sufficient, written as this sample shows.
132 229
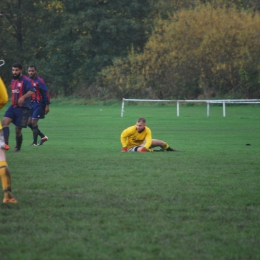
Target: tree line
141 49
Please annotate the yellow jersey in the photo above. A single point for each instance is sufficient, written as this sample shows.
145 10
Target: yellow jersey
3 94
130 137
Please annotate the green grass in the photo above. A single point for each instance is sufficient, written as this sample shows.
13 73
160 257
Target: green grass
81 198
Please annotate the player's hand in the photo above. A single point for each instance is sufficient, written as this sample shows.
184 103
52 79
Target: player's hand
20 101
124 149
47 110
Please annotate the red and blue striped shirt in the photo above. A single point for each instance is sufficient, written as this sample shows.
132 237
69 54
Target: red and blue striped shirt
19 88
41 94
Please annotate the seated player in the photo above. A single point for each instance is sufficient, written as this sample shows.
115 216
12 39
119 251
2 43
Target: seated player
138 138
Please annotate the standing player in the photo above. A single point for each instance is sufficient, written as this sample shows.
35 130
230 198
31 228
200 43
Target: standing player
4 171
40 105
19 111
138 138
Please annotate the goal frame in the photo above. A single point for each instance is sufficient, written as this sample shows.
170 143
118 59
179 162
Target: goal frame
208 102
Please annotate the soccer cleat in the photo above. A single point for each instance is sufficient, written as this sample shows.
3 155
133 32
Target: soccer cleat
16 149
33 144
5 147
169 149
44 139
11 200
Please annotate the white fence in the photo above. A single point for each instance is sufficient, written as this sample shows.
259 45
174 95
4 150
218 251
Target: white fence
208 102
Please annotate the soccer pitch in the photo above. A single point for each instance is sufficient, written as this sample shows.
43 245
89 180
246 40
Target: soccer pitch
79 197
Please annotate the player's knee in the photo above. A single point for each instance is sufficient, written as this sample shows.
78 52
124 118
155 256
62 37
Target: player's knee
5 122
34 123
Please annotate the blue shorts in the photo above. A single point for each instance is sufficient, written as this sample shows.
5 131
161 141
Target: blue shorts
19 115
38 111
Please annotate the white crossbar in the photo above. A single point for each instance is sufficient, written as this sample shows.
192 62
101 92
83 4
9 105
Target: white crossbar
208 102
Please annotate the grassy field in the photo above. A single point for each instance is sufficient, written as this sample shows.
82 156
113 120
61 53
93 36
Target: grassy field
81 198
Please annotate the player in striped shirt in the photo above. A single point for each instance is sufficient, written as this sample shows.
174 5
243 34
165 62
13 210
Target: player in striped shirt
40 105
20 109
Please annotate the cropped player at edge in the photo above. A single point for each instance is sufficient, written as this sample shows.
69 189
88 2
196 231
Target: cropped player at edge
4 171
138 138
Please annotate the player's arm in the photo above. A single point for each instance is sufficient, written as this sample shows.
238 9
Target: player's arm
30 90
47 109
148 138
22 98
45 96
124 137
44 92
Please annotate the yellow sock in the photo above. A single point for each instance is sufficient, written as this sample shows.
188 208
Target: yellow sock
166 146
6 178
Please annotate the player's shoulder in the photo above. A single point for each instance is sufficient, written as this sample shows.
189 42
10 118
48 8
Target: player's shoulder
25 78
130 128
147 129
41 80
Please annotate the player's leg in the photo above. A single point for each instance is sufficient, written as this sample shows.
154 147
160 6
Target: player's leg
35 131
9 117
133 149
38 113
30 122
5 178
6 131
19 138
6 184
162 144
141 148
22 115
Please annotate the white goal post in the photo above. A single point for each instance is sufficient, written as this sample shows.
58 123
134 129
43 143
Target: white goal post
208 102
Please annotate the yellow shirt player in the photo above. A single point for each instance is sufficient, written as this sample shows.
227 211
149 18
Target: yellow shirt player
4 171
138 138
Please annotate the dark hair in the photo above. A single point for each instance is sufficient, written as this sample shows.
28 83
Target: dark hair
17 65
32 66
141 119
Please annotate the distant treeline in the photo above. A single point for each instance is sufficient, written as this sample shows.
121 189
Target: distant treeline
141 49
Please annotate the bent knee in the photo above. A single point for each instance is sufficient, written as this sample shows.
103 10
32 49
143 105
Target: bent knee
6 121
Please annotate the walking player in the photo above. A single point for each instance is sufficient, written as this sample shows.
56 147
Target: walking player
19 111
40 105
